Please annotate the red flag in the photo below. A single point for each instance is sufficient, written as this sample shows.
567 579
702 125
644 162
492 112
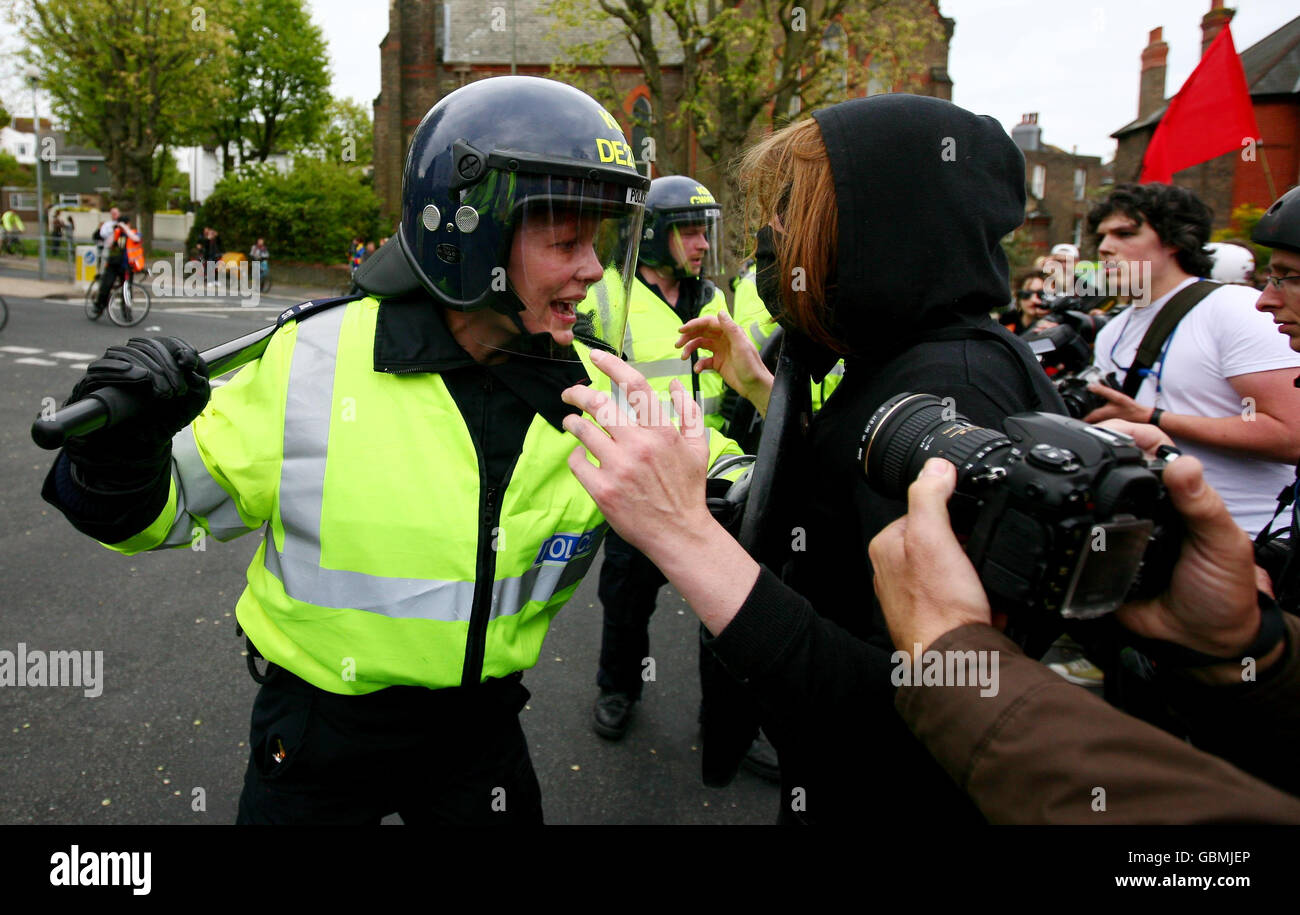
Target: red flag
1210 115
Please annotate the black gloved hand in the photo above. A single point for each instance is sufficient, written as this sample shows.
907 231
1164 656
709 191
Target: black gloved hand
169 380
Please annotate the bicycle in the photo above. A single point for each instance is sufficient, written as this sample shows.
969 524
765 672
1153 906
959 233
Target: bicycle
4 313
13 246
128 304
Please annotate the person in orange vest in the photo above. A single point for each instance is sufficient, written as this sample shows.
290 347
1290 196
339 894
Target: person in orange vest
123 256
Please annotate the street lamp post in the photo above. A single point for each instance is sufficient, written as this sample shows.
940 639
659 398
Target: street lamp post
33 79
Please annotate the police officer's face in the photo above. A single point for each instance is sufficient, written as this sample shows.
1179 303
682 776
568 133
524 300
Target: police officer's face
552 262
688 245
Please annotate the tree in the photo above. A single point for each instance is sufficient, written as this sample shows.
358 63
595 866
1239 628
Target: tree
744 64
14 173
278 80
307 214
127 78
5 116
348 137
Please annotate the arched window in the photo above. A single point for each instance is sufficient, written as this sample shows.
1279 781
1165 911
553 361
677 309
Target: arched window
642 119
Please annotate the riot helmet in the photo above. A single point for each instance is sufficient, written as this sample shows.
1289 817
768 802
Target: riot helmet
1279 227
682 229
519 195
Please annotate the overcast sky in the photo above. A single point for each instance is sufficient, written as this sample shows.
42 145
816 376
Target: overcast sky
1073 62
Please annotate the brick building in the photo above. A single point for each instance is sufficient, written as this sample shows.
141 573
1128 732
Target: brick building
1057 185
1272 67
435 46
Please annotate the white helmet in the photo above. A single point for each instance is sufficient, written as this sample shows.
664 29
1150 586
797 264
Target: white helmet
1232 263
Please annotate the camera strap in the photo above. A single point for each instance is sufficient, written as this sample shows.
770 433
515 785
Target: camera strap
1162 326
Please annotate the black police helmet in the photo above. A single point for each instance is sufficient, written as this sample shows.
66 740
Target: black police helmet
677 200
477 160
1280 225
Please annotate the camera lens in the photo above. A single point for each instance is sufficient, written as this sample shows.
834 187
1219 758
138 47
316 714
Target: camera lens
907 430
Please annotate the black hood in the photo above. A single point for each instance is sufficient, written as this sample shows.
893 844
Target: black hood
925 192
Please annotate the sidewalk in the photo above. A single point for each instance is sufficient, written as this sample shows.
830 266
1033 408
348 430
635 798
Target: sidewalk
38 289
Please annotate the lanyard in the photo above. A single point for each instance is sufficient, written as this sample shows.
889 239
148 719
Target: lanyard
1145 373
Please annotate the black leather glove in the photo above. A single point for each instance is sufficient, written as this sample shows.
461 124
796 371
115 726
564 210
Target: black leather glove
169 381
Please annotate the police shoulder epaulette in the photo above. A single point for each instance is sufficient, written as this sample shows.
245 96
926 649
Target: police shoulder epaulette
307 309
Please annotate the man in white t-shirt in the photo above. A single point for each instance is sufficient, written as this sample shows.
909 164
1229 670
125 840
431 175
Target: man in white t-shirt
1222 386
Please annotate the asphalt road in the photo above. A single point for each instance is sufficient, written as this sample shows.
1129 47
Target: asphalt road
171 723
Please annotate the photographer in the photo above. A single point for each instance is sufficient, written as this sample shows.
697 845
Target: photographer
1216 379
1038 750
916 319
1035 749
1279 229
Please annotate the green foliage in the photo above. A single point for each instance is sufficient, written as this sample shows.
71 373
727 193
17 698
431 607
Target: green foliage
5 116
173 188
1242 223
127 78
349 136
1019 251
744 65
309 214
13 173
278 80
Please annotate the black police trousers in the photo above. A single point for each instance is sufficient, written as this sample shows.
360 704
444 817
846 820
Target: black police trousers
452 756
629 587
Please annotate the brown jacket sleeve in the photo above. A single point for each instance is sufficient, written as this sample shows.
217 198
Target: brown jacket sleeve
1041 750
1254 725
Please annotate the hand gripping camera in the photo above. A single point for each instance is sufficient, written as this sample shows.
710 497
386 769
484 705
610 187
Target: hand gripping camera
1059 518
1073 388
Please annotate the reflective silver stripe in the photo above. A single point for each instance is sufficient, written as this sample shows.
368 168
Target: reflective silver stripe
627 341
306 429
756 333
421 598
307 409
663 368
710 405
838 369
198 495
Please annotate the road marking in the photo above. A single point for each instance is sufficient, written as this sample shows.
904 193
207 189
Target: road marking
72 355
32 360
20 350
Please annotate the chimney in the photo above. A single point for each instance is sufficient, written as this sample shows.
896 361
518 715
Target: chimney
1151 87
1027 134
1212 23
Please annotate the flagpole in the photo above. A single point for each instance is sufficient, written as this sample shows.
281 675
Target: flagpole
1268 173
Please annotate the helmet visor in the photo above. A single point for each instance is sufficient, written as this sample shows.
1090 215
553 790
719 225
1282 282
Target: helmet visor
569 263
694 243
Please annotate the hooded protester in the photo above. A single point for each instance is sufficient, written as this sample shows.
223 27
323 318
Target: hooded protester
886 215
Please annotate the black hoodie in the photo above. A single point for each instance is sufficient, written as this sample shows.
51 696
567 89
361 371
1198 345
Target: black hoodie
925 192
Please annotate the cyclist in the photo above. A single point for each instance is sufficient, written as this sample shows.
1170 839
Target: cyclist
13 227
123 257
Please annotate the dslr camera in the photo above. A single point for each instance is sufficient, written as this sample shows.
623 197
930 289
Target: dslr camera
1061 520
1073 388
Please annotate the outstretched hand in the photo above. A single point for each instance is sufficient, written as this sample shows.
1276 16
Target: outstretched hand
734 356
651 479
